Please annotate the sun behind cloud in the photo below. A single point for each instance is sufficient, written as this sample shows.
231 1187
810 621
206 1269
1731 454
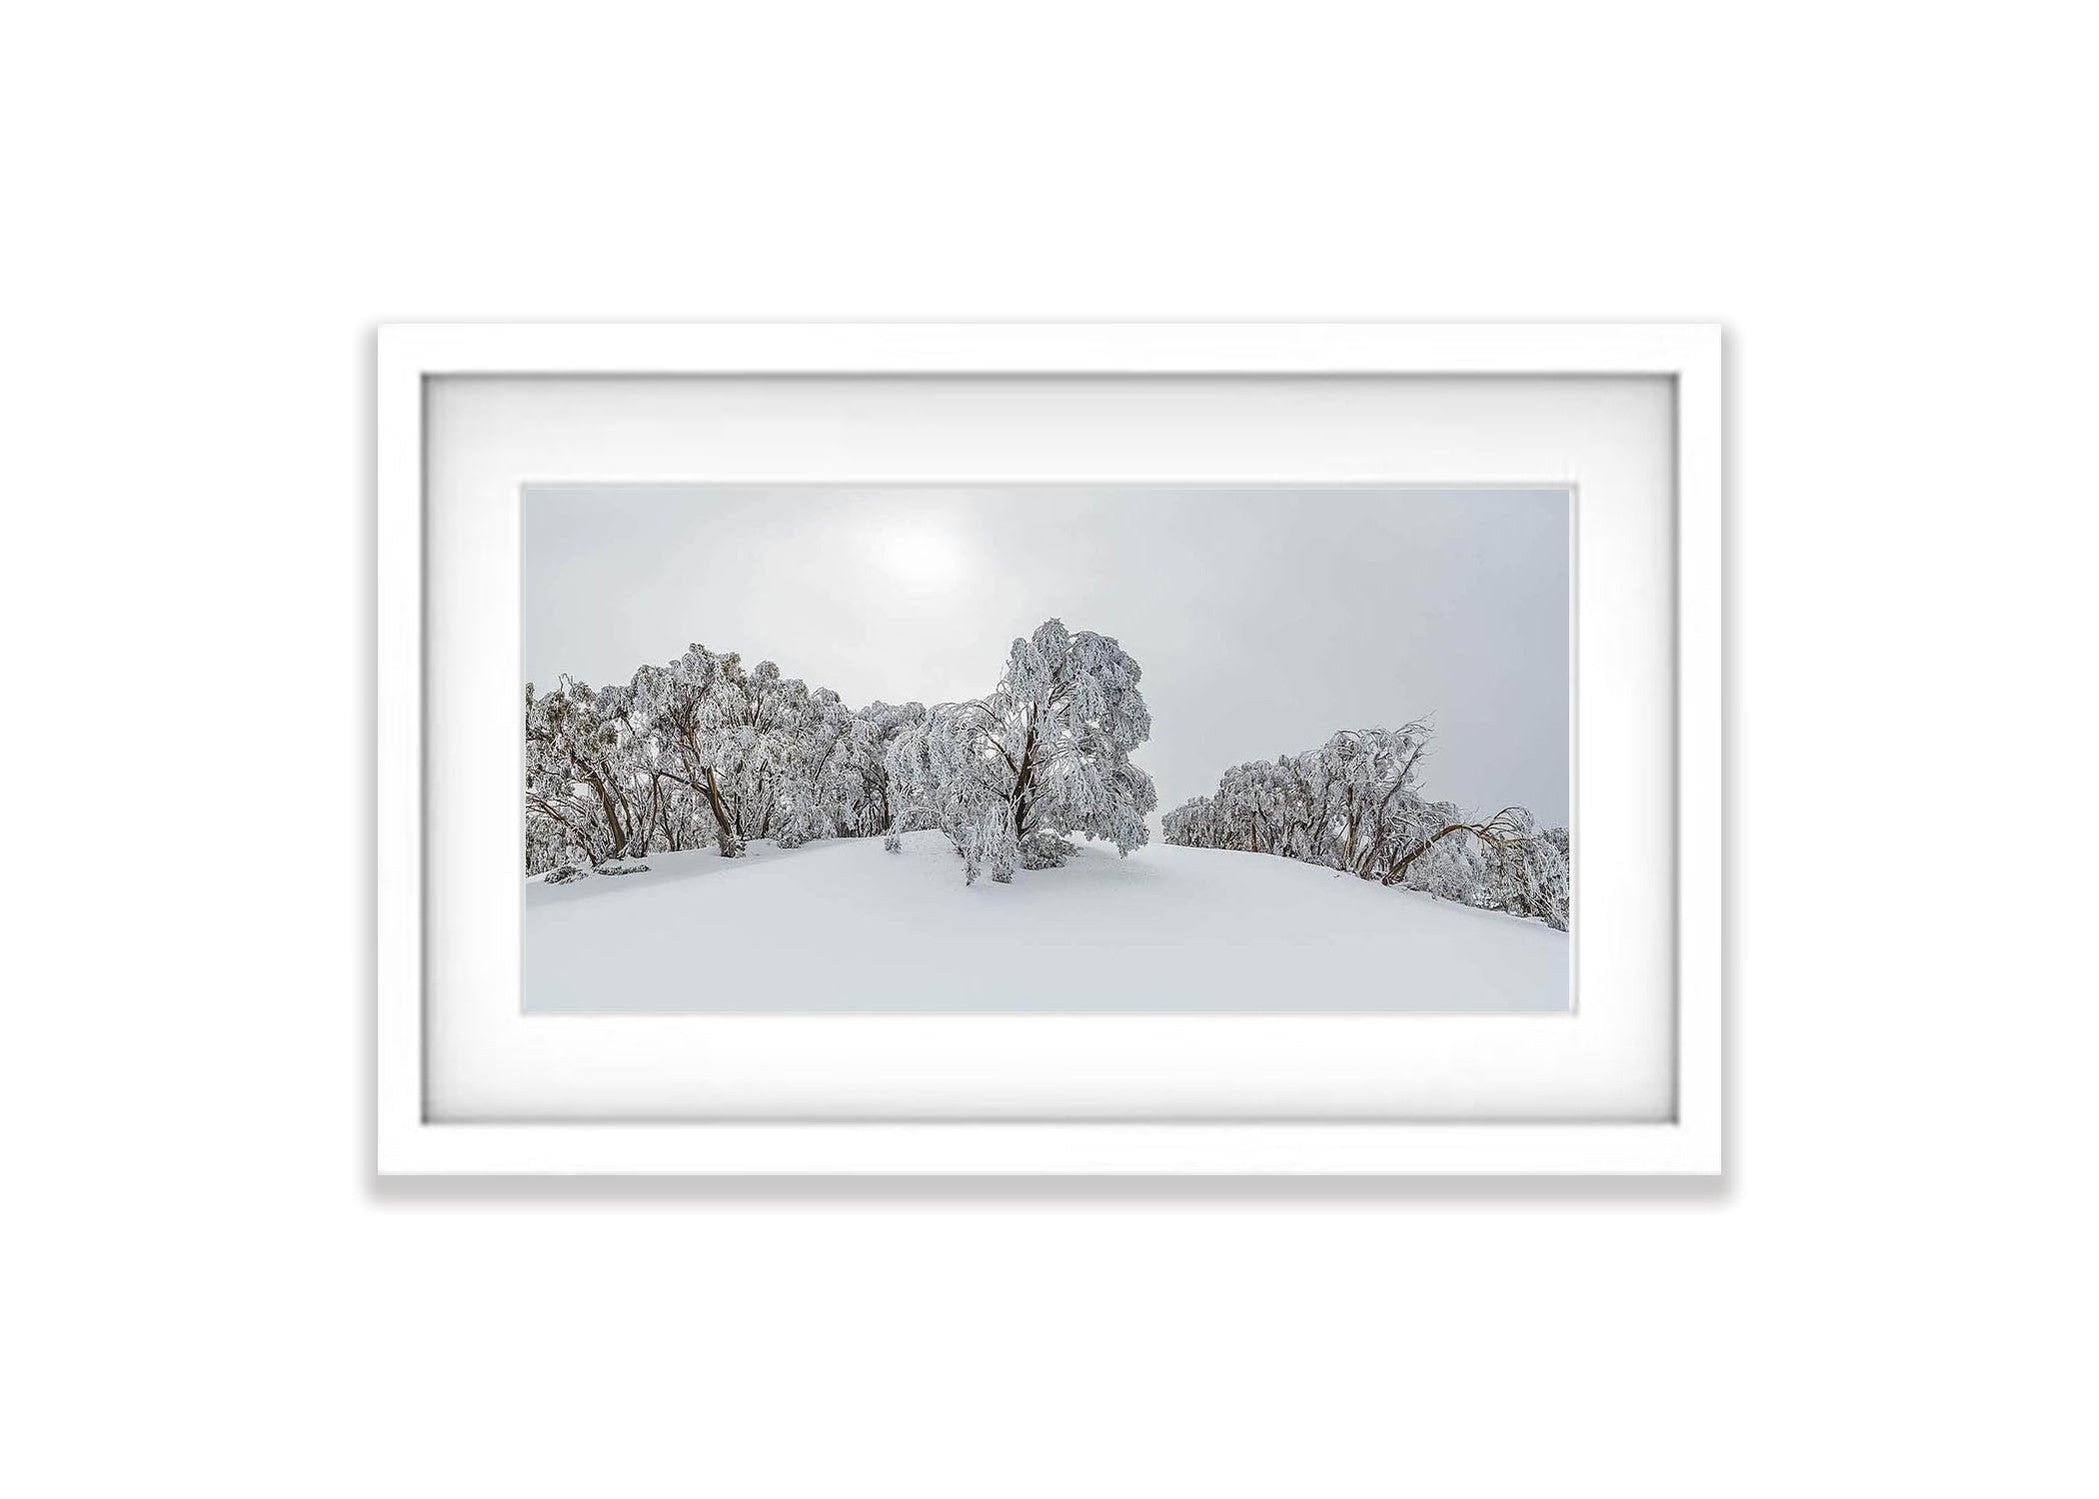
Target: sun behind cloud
922 554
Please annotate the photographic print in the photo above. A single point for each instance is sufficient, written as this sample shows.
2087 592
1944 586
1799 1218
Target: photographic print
1047 749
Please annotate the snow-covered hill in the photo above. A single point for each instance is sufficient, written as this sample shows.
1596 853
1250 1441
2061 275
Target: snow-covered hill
846 926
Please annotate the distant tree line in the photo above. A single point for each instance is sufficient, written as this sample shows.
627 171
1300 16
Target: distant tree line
703 753
1355 805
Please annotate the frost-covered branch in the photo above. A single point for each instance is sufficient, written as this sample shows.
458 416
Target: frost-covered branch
1355 805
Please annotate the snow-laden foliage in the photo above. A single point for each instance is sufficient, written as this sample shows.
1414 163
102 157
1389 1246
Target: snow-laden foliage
1355 805
585 795
844 791
703 752
700 752
1046 754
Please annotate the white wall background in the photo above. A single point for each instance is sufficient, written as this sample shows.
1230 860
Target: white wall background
210 205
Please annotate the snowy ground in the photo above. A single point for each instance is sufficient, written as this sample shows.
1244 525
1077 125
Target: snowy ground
846 926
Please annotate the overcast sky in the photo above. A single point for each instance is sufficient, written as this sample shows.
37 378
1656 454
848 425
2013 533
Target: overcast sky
1264 619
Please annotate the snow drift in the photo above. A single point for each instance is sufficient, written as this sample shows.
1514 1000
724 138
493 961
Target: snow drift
846 927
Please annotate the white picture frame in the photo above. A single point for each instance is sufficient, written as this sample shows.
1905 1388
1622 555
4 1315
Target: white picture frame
1685 1141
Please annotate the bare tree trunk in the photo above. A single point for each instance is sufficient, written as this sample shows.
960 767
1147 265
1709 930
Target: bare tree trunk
1398 871
1022 781
612 818
661 822
728 841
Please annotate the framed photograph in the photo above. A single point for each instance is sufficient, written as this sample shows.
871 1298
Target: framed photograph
1114 749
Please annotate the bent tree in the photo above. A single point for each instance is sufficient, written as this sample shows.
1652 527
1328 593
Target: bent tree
1355 805
1507 829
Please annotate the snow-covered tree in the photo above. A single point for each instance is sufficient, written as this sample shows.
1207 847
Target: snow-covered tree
1507 830
1355 804
834 777
1010 776
748 742
852 773
1534 878
675 702
1196 823
750 735
701 750
583 794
